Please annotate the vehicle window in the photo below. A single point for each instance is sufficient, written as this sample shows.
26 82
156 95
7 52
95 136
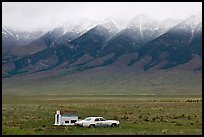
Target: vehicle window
102 119
87 119
73 121
96 119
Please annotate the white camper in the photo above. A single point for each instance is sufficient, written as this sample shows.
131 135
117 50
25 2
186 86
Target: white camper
65 118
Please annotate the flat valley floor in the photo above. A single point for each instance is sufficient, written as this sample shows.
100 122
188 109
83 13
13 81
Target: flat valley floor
138 114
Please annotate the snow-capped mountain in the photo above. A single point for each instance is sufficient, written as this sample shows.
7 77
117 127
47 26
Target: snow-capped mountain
138 32
111 25
165 25
142 21
12 38
24 37
150 28
73 30
145 25
77 25
175 47
167 44
190 23
144 56
94 39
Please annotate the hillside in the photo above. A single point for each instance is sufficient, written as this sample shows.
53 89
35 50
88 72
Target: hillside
146 57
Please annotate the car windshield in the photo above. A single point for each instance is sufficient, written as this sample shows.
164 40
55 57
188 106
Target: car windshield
87 119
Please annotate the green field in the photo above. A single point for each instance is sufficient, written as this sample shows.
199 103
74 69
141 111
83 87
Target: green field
138 114
105 82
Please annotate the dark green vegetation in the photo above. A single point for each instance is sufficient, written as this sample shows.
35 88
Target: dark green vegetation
138 114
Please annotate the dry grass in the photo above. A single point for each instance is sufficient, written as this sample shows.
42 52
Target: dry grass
137 114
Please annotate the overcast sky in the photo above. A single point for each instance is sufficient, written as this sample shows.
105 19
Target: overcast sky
34 15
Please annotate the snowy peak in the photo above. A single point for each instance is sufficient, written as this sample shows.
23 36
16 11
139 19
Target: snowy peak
145 27
169 22
20 35
111 26
7 32
78 26
194 20
190 23
56 31
166 25
142 21
105 44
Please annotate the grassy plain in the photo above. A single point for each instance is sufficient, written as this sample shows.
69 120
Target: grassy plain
138 114
103 82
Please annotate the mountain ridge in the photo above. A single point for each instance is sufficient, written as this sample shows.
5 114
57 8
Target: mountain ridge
156 50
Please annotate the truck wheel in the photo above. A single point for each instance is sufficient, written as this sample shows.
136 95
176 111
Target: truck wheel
92 126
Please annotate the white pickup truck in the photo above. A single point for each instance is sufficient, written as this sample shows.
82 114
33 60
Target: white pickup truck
97 122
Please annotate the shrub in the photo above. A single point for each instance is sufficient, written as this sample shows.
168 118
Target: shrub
179 124
115 117
192 123
175 117
145 119
153 119
173 122
164 131
125 117
135 122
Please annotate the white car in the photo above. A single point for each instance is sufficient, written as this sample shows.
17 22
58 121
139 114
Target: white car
97 122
